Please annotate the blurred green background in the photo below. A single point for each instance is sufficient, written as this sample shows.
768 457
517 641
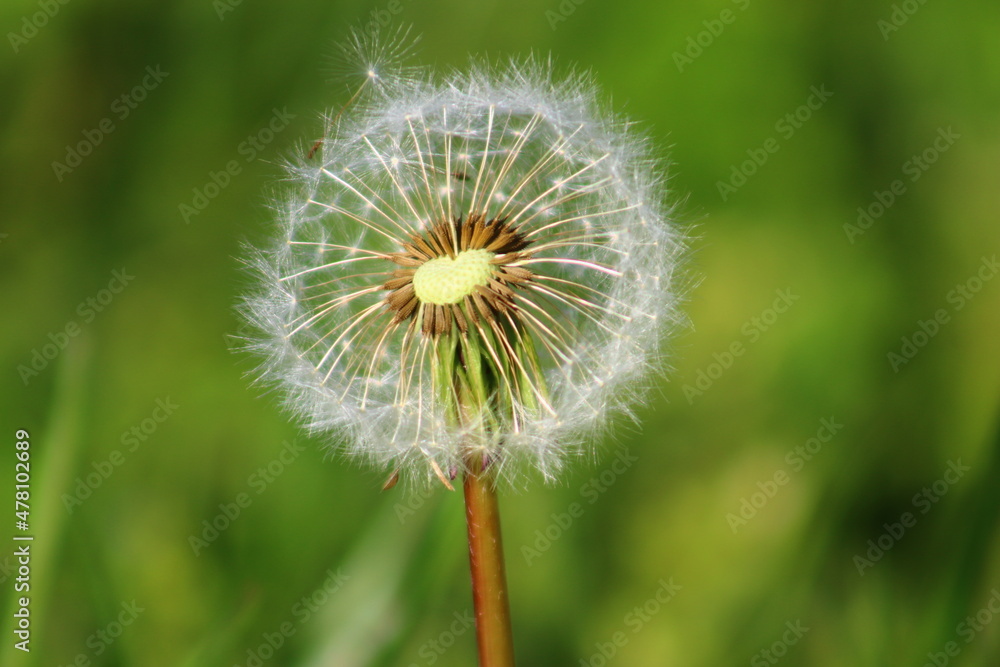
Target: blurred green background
739 528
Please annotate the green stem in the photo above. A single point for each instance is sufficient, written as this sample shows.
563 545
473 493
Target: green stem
489 580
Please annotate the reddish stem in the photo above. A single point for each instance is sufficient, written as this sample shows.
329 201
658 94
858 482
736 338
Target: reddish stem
489 579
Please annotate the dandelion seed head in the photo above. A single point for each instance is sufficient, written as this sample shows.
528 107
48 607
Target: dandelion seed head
479 263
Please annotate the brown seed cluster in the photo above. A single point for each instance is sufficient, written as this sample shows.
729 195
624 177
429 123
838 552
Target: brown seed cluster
447 239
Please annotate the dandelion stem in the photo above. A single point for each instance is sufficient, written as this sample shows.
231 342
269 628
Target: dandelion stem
489 579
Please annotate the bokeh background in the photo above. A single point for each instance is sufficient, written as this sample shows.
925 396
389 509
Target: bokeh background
713 540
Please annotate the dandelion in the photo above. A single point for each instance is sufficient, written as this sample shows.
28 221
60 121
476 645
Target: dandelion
474 274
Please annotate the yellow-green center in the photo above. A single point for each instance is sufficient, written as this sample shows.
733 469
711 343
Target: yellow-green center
444 280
